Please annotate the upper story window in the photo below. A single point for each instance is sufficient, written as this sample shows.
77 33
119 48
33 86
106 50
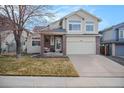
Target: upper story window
121 33
89 26
74 25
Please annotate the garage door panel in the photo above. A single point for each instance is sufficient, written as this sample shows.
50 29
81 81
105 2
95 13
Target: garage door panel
77 39
80 46
119 50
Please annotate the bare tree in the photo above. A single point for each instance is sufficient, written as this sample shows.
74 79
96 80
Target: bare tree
20 16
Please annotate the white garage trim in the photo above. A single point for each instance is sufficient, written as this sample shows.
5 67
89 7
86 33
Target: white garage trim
81 45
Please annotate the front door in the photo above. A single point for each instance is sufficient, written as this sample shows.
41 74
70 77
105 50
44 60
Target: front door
58 44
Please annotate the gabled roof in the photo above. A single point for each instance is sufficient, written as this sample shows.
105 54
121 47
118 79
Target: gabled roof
40 28
82 10
113 27
53 31
75 12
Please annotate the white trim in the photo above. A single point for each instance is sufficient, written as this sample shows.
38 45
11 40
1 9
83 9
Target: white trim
52 40
81 45
58 40
120 34
73 24
90 24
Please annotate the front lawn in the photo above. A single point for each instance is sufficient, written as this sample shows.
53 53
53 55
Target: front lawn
27 66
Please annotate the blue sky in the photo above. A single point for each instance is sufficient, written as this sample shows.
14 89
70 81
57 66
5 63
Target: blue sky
110 14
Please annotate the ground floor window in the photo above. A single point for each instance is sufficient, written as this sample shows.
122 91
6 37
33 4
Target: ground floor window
35 43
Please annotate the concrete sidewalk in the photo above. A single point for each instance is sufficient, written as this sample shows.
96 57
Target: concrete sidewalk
15 81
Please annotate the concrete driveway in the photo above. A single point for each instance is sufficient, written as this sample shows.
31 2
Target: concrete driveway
97 66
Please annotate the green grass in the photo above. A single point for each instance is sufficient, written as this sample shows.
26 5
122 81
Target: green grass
27 66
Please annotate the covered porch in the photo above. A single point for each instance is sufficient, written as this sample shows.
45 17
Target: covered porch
53 44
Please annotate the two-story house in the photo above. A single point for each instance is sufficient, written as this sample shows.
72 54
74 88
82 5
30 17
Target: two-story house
8 43
113 40
76 33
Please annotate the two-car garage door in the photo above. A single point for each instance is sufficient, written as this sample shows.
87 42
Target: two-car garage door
119 50
81 45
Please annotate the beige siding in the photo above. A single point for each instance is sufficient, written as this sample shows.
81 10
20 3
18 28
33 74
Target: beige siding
74 17
88 17
77 16
81 45
63 24
30 48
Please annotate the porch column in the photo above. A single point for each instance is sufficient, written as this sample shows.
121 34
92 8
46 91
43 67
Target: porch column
42 45
64 44
113 49
105 50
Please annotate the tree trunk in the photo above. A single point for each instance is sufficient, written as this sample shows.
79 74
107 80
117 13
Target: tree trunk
18 48
0 44
17 35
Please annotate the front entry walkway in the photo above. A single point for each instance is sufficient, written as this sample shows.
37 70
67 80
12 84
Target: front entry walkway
96 66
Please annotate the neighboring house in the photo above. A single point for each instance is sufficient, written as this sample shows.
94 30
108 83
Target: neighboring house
7 40
76 33
8 43
113 40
